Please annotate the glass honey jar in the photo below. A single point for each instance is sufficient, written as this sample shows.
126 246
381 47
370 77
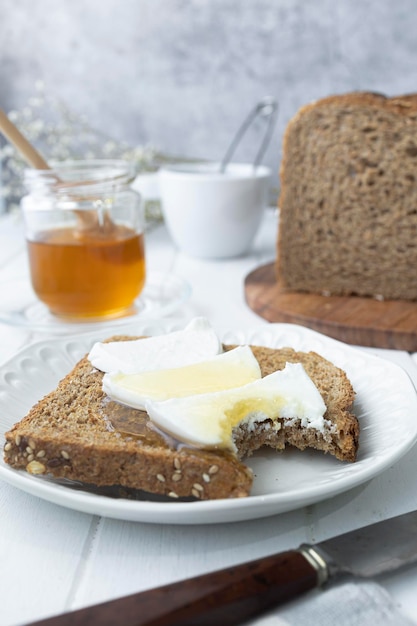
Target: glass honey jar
84 229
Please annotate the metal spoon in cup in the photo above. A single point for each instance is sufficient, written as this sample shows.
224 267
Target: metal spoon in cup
267 108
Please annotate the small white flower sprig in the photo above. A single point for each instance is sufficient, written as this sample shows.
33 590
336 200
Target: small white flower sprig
59 134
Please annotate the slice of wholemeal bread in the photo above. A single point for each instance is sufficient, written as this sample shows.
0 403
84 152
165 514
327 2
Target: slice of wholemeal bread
78 433
348 204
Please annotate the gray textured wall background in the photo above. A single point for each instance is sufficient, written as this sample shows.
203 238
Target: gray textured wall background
182 74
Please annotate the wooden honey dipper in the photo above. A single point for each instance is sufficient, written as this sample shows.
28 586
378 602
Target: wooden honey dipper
86 219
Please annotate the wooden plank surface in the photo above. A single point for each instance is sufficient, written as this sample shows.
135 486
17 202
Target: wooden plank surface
352 319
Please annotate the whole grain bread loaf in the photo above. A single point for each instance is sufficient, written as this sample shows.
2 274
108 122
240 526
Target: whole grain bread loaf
77 433
348 203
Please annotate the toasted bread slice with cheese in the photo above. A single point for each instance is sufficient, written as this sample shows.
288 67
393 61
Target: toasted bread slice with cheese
76 432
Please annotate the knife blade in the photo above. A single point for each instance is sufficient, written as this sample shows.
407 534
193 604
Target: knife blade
236 594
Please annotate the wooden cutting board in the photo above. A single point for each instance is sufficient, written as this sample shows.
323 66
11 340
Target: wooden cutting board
352 319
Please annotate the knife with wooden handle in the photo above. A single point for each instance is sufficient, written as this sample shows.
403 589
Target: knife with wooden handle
236 594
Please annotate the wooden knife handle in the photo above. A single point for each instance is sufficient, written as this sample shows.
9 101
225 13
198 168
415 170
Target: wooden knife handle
226 597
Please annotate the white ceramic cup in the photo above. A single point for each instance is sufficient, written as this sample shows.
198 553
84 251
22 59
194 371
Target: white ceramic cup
210 214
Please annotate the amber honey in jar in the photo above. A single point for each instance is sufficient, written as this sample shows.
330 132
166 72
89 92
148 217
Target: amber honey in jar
85 237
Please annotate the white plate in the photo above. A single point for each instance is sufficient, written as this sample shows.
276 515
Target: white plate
162 294
386 405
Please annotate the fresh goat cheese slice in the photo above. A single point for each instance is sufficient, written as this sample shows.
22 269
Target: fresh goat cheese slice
196 342
208 420
230 369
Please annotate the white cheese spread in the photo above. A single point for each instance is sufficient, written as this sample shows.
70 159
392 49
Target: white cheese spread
197 393
208 420
196 342
228 370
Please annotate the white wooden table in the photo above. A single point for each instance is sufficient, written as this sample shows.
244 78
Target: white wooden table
55 559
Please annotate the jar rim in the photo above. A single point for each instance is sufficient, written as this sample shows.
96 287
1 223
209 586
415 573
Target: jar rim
83 173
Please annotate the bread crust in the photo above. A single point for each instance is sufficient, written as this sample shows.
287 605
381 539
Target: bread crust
70 434
348 201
